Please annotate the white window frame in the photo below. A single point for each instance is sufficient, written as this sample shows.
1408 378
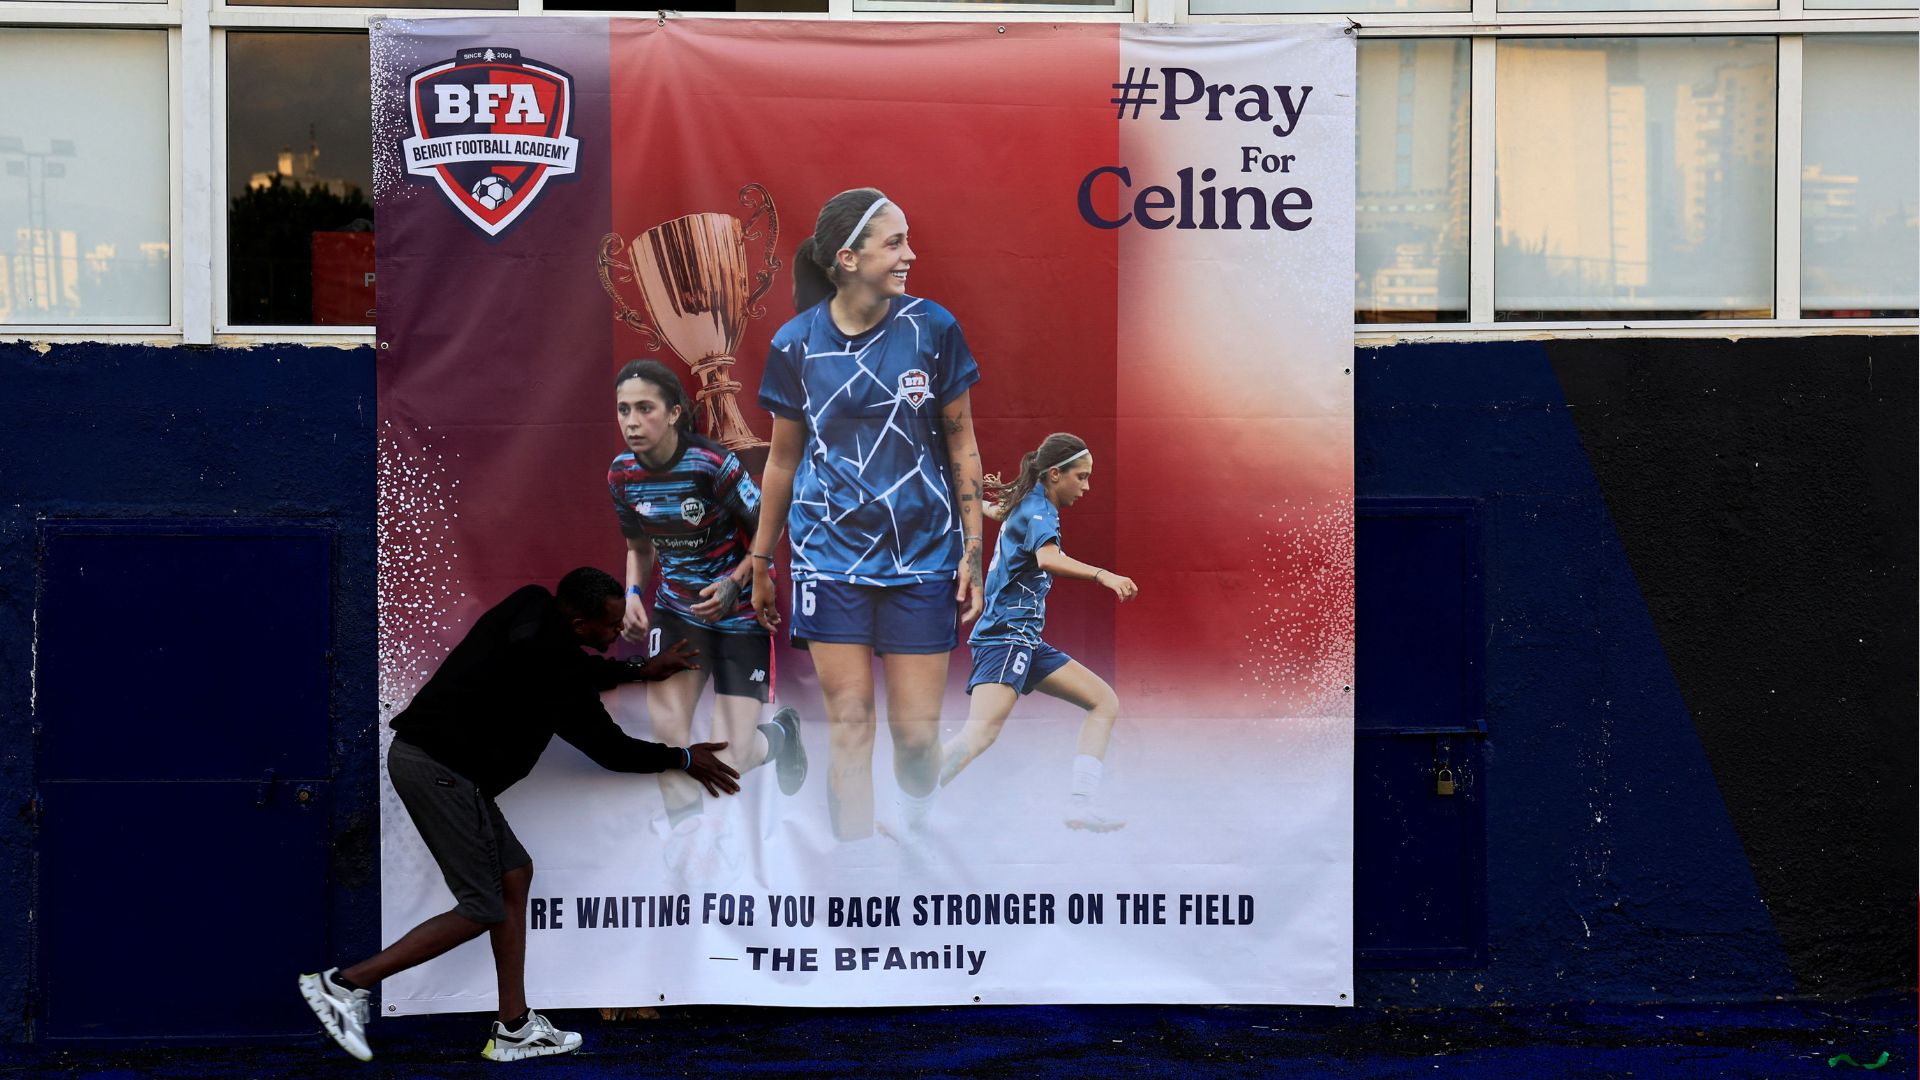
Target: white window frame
197 146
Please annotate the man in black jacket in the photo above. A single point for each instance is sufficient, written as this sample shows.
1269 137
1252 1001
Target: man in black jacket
517 679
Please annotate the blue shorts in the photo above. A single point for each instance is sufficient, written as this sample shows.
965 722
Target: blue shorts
1022 667
919 618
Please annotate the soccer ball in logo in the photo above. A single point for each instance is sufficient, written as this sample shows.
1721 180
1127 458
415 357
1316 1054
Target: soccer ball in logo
492 192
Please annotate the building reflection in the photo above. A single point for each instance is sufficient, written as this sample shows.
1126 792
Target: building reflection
1634 177
46 277
72 261
1411 173
302 170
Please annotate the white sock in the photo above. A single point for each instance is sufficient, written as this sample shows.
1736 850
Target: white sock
1086 777
914 809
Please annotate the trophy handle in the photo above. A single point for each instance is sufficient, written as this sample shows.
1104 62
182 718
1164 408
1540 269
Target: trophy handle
757 199
612 250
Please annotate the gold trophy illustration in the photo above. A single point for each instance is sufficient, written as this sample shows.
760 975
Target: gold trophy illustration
692 274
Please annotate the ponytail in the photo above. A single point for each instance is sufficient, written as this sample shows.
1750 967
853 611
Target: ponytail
816 268
1054 451
811 280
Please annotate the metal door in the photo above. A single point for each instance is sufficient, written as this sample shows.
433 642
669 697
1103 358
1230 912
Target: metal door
181 714
1419 855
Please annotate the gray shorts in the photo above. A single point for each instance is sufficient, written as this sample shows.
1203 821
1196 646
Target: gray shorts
463 828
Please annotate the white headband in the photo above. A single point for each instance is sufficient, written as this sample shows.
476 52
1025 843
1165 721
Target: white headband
872 209
1062 463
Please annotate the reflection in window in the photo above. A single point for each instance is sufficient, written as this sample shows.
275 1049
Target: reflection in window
484 5
299 173
1894 5
1859 181
1634 177
1638 5
85 212
1301 7
1410 254
692 5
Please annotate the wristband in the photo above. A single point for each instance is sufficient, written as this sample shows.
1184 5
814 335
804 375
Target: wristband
1097 571
689 763
634 590
769 558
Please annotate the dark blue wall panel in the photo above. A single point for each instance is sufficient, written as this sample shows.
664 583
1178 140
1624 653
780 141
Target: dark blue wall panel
1614 870
1764 492
228 679
282 434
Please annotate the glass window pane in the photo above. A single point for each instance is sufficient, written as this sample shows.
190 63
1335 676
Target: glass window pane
1637 5
962 5
1410 254
1859 182
384 5
85 213
1893 5
299 174
692 5
1634 176
1307 7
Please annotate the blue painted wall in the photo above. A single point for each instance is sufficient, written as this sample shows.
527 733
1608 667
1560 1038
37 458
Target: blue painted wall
1618 868
273 434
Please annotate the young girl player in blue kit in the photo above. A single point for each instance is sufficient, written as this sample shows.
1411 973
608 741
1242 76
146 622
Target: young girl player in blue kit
875 476
687 506
1009 658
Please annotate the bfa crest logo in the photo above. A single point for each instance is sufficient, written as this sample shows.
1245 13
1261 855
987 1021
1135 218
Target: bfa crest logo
915 387
692 510
490 127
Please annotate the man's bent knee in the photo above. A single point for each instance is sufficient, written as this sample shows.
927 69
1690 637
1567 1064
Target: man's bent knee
487 912
516 882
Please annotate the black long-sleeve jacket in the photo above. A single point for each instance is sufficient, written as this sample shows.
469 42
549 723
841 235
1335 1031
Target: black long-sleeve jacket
514 682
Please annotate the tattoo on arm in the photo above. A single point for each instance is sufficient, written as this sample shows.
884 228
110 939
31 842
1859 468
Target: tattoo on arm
954 424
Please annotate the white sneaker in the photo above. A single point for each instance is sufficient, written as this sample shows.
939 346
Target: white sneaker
1082 815
536 1038
714 857
678 849
341 1011
916 813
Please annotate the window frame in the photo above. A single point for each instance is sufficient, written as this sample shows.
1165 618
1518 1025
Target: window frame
197 145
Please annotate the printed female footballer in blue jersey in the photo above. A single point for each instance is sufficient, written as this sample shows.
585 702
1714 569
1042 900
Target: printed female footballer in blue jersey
686 504
875 476
1009 659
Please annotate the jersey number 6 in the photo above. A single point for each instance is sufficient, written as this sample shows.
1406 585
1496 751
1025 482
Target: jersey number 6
803 597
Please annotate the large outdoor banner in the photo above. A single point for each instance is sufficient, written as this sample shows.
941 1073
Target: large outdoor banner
1140 235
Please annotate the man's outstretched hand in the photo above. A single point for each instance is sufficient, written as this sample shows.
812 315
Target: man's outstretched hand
718 777
672 660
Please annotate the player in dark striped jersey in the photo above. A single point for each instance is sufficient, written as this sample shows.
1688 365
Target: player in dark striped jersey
687 506
875 476
1009 658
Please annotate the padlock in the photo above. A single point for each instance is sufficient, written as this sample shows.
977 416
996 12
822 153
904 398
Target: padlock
1443 781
